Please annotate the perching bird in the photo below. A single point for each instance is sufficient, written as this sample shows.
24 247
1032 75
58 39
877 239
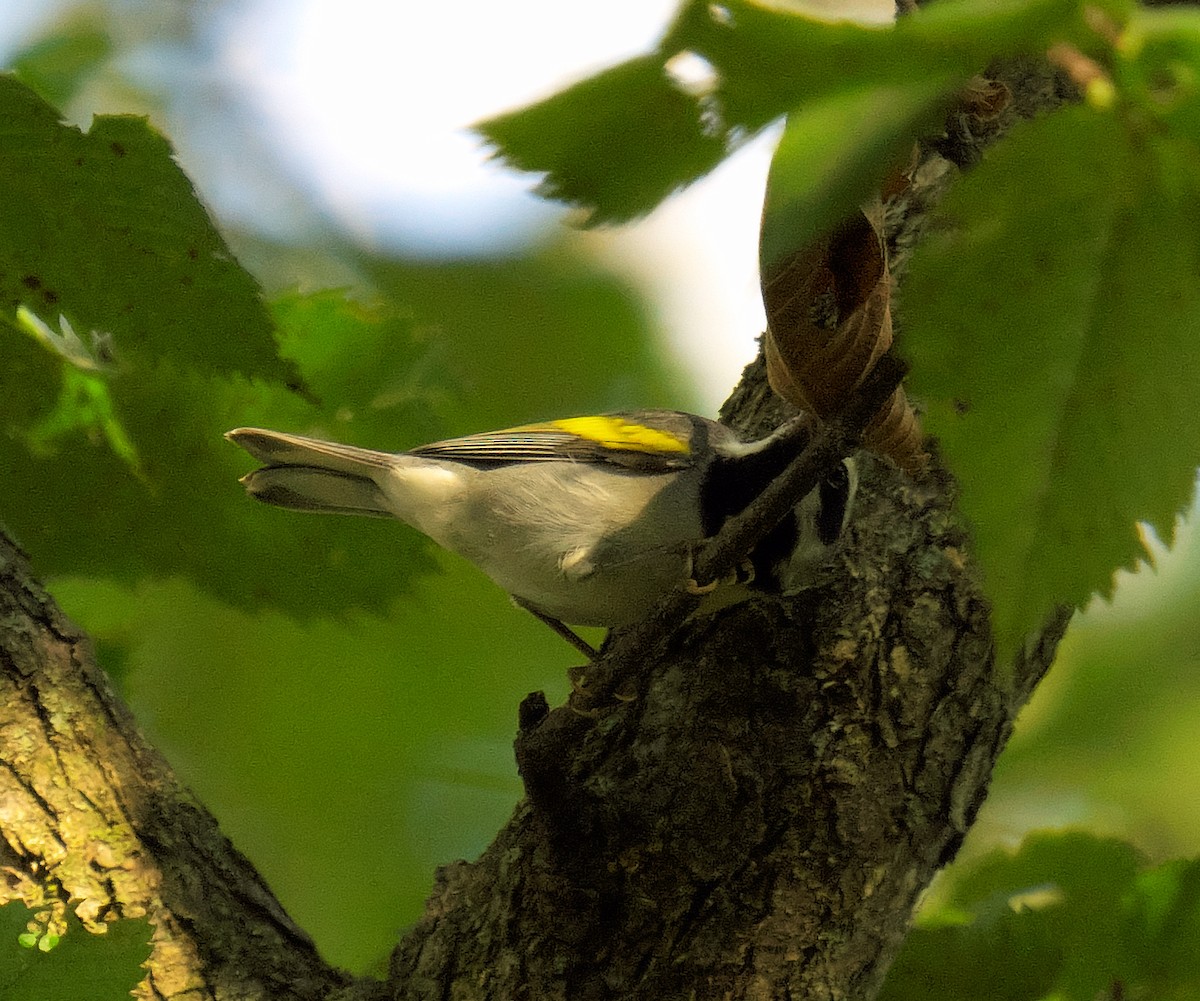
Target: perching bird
587 520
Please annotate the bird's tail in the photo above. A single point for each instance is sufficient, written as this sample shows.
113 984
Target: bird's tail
307 474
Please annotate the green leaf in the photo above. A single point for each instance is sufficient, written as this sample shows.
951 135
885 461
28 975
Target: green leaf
84 405
79 508
1065 864
1161 67
951 964
582 344
150 488
617 143
979 30
1052 320
106 230
767 60
57 65
833 154
1041 922
380 380
1165 925
78 966
30 376
620 142
771 59
1067 916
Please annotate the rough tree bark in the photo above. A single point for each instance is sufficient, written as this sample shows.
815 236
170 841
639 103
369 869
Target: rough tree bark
752 816
87 804
758 819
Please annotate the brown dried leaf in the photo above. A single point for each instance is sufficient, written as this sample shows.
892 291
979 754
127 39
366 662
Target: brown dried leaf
896 433
829 321
817 304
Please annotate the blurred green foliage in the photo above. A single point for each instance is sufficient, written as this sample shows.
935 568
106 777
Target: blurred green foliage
1108 739
359 735
72 964
56 65
344 699
1068 916
87 215
346 759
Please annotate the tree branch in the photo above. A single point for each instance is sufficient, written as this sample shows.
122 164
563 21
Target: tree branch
759 821
819 446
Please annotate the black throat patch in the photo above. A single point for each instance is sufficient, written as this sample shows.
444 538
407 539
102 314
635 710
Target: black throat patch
732 482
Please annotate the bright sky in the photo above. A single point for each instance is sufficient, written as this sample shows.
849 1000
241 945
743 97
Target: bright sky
337 71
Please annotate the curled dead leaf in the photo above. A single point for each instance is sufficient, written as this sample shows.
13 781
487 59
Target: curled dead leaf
829 321
896 433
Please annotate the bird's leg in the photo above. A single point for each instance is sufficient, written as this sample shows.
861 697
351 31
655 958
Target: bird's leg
742 574
563 630
690 583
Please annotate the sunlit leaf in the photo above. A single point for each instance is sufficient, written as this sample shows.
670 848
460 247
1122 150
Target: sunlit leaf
634 139
618 143
77 966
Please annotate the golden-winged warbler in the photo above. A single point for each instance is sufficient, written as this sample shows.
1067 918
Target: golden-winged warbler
587 520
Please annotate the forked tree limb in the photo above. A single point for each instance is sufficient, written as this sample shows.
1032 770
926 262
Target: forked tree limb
87 805
759 818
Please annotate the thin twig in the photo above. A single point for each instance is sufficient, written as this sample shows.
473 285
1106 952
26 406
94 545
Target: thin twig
832 442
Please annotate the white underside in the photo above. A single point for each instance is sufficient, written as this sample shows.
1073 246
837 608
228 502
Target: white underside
565 561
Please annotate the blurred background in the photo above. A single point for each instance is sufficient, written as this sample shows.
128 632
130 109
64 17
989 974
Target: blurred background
350 756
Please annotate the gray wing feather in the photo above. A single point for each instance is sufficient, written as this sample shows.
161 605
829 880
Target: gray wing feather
545 445
305 488
511 446
277 448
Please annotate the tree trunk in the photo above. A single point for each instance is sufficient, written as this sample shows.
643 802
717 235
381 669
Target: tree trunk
756 816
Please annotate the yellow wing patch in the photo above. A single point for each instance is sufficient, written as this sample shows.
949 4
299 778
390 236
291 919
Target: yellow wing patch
616 432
